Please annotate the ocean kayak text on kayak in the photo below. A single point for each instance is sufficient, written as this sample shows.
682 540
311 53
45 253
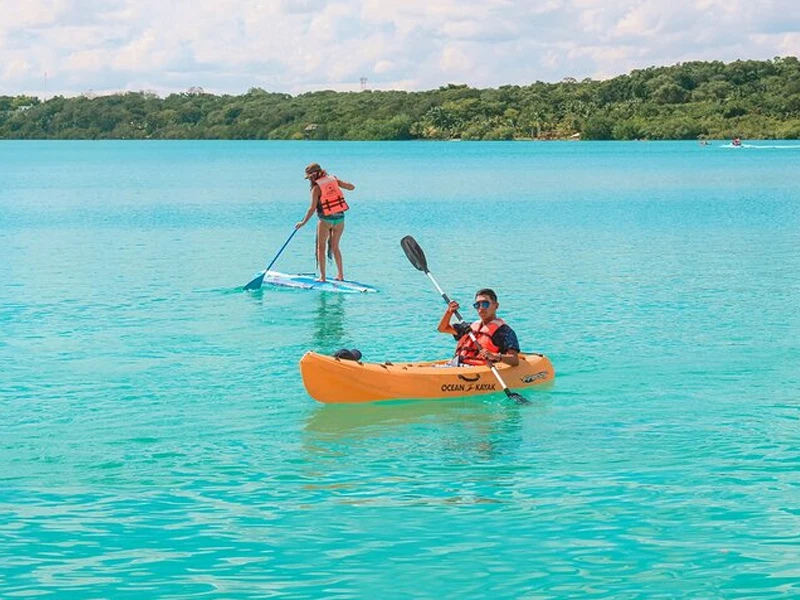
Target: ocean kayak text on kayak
467 387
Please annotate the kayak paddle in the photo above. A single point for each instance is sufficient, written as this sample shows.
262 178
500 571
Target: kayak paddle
258 280
417 258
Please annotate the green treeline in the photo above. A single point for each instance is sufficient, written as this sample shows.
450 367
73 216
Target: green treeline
750 99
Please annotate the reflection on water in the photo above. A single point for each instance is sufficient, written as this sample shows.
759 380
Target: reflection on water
329 321
343 419
476 425
383 454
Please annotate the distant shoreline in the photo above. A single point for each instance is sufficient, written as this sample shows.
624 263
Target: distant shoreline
754 100
708 142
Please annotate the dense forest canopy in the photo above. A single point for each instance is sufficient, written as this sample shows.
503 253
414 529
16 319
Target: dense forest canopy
751 99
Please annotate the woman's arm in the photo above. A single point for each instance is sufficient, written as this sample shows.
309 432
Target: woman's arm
311 209
345 185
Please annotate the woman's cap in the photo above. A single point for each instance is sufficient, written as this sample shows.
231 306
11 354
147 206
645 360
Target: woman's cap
311 169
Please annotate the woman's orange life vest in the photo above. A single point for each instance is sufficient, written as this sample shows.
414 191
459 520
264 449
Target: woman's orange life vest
467 351
331 198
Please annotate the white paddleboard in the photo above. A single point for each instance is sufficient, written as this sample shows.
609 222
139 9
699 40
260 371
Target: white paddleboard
307 281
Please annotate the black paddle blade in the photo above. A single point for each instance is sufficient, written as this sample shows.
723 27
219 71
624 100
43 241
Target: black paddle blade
256 282
414 253
518 398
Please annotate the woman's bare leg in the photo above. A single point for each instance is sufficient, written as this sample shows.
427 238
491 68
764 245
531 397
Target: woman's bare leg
336 235
323 231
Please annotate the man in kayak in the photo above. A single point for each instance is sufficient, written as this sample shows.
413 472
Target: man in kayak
498 342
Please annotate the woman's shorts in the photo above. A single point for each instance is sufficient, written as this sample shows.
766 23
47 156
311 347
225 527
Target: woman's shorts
333 219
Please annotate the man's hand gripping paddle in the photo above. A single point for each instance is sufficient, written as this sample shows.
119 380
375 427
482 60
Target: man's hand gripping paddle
417 258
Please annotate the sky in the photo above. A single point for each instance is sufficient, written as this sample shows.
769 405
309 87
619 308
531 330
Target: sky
71 47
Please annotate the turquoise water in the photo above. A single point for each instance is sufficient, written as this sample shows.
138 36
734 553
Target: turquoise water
156 440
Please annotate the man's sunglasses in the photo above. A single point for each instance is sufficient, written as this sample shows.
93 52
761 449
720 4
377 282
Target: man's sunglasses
481 304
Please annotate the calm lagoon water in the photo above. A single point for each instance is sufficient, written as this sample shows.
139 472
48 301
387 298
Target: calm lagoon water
156 440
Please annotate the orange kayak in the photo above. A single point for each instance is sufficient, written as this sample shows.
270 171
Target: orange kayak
333 380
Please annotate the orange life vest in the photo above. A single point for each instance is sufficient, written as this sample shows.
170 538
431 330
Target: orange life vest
331 198
467 351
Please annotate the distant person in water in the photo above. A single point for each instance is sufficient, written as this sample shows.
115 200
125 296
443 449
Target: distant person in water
498 342
736 141
327 200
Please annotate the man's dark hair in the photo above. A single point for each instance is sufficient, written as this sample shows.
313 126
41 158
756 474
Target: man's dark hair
487 292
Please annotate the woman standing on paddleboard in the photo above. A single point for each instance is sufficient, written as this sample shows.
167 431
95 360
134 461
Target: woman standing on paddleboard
327 200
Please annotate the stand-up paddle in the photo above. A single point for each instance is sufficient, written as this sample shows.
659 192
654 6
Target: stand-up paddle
417 258
258 280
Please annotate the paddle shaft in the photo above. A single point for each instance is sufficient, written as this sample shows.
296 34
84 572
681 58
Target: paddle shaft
259 279
471 334
286 243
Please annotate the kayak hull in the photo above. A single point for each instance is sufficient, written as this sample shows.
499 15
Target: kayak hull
332 380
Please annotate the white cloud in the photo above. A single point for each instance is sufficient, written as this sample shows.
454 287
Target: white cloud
454 60
31 14
143 54
300 45
790 44
16 67
383 66
85 61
